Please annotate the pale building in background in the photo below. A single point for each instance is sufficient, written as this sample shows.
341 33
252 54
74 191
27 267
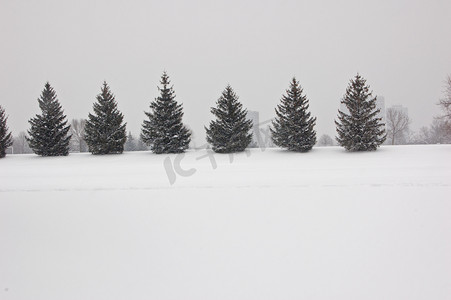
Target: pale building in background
401 109
256 137
261 135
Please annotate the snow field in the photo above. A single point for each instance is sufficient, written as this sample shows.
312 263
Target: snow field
272 225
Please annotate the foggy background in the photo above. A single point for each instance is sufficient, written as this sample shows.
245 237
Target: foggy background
402 48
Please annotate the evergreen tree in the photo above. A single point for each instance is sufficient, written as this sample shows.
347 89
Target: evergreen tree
230 131
164 130
140 146
359 129
104 130
6 139
130 144
293 127
49 131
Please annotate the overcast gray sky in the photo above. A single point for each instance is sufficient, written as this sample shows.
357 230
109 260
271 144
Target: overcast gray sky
402 48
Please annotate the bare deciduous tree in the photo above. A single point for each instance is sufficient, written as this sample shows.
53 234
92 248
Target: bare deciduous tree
77 129
423 136
397 124
445 105
439 132
20 144
436 133
325 140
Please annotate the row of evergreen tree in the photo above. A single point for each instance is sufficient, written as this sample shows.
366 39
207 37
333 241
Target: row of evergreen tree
359 128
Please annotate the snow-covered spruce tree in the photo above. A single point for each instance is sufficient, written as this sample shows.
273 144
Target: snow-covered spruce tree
48 135
293 127
230 131
6 139
105 130
164 130
360 128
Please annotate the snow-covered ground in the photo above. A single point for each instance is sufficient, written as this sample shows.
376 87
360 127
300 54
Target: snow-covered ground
259 225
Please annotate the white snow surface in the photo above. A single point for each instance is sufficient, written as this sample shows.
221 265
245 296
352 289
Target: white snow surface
271 224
